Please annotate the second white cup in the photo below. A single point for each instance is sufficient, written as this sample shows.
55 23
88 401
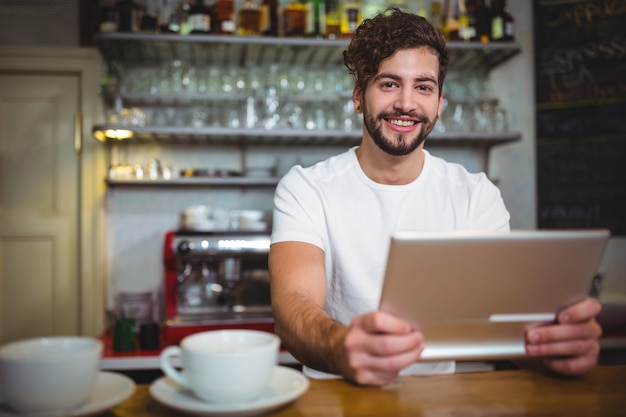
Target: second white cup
49 375
224 366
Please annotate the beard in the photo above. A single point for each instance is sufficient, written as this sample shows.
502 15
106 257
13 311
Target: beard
400 144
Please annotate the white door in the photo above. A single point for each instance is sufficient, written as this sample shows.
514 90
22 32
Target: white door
39 203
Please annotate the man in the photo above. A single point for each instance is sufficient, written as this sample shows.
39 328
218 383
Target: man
332 221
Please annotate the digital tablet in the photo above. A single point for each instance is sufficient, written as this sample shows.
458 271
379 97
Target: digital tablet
473 294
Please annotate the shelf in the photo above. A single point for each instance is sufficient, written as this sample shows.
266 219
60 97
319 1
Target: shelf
195 182
129 51
230 136
474 141
149 49
186 99
242 137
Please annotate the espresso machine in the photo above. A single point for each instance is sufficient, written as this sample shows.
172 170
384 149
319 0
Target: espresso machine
215 280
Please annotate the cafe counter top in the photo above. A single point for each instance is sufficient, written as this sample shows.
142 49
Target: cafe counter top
602 392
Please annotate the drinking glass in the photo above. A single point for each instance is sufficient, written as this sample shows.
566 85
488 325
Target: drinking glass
500 120
251 112
292 116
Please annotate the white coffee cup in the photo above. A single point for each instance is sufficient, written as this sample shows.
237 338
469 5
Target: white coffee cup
224 366
49 374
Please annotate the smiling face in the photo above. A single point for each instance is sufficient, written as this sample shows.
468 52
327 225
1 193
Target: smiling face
401 102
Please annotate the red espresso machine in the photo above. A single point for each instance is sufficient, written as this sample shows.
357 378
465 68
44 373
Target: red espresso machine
215 280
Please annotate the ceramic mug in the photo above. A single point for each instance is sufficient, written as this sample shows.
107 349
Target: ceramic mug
224 366
49 374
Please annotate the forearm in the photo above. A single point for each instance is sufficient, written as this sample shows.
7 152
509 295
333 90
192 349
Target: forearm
310 334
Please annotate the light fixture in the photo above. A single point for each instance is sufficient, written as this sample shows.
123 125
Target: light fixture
107 134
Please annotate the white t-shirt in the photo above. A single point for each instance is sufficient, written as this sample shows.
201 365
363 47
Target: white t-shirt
335 206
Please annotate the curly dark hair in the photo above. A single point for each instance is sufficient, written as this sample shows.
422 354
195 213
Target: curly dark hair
381 36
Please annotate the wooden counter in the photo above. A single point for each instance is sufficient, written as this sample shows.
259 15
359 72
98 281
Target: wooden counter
502 393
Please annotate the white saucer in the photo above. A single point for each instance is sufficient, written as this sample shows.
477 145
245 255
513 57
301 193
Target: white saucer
109 390
286 385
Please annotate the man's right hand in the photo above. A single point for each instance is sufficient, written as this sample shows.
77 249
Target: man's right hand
371 351
378 346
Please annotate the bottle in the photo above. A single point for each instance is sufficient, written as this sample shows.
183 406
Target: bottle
127 16
419 8
294 19
165 12
451 24
436 15
315 18
269 18
350 17
373 7
225 17
181 18
149 17
466 28
108 16
249 19
333 19
502 23
470 30
483 22
199 18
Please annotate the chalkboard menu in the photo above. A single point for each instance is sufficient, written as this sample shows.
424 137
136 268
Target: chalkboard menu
580 70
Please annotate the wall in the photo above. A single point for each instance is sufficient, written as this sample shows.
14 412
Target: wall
39 22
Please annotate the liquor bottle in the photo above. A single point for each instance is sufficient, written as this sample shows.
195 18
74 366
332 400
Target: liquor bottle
225 17
470 30
127 16
315 18
451 21
164 12
333 19
294 18
149 17
502 23
419 8
436 15
373 7
182 17
269 18
199 18
350 17
465 28
483 22
107 16
249 18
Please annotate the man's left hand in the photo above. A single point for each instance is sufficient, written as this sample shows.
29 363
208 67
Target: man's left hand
571 346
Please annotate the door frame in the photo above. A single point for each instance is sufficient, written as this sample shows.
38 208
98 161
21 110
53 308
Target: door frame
87 65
